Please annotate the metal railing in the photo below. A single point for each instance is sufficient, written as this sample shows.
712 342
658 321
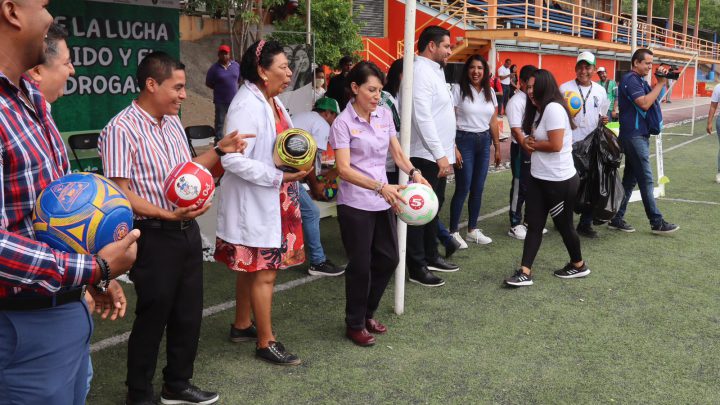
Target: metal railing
378 53
563 17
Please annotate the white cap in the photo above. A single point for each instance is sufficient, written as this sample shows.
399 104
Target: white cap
586 57
601 69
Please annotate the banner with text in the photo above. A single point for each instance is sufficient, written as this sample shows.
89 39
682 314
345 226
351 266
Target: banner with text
107 41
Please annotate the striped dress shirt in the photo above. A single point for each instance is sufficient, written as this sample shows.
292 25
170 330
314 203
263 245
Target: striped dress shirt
32 154
135 146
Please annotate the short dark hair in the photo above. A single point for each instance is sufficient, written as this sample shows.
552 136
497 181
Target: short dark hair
55 34
392 84
507 60
319 69
361 72
344 61
640 55
250 62
526 72
157 65
432 33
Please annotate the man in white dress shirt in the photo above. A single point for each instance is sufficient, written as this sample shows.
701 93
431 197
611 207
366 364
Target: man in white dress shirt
432 148
595 104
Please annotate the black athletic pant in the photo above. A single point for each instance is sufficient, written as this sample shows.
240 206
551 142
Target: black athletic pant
168 280
370 240
422 245
556 198
520 164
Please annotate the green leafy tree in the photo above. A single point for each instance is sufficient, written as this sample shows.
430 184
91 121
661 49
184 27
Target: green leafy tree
336 33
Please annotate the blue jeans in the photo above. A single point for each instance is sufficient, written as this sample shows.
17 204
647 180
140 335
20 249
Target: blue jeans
44 355
443 234
220 113
475 150
311 227
637 171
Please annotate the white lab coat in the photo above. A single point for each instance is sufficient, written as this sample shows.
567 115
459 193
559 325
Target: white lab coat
249 193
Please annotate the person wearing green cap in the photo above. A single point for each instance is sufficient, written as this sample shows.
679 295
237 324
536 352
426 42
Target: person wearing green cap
317 122
594 109
610 87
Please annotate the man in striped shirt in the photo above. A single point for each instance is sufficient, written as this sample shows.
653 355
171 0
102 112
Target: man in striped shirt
44 324
140 146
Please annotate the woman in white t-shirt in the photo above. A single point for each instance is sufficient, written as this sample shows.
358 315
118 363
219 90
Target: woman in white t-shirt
477 127
553 180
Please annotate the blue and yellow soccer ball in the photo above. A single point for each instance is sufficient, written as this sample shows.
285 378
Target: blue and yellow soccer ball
81 212
574 102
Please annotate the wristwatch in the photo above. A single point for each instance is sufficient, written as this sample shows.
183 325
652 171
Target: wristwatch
104 282
218 150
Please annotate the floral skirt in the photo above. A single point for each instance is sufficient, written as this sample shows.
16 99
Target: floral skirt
290 253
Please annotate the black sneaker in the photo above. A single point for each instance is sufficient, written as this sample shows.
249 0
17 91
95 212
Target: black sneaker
248 334
326 268
439 264
664 227
570 271
451 247
425 278
598 222
276 354
620 225
190 395
587 231
519 279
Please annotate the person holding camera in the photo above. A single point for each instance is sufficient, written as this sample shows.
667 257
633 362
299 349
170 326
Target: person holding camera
639 117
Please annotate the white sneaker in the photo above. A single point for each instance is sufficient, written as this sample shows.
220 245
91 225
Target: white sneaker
477 236
459 239
518 232
544 231
717 178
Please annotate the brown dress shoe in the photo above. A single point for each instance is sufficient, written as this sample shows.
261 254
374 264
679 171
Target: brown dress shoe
373 326
360 337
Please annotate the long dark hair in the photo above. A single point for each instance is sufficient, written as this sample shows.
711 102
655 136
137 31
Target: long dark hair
465 90
392 85
545 91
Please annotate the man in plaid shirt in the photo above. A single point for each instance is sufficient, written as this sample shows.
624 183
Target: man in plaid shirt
45 326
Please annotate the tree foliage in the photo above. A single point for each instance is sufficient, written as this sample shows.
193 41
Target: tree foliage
709 11
336 33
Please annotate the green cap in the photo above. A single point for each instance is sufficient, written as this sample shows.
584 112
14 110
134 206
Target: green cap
327 104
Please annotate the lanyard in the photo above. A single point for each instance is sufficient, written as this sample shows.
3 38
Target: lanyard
586 96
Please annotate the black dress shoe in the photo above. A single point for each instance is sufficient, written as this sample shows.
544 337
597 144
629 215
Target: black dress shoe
451 247
586 231
439 264
190 395
424 277
248 334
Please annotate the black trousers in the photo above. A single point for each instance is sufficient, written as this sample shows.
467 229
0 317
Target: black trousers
422 246
370 240
168 281
556 198
520 161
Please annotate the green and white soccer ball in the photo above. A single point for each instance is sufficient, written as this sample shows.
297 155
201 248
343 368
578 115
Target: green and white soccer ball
421 207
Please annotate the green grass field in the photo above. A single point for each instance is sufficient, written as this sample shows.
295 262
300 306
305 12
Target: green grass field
642 328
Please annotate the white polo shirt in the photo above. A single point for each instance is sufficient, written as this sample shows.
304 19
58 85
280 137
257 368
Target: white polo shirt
502 71
587 119
515 111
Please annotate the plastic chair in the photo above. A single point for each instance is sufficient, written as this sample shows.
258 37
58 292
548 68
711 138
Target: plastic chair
198 132
84 142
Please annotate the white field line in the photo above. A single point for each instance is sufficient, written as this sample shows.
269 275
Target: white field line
122 338
688 201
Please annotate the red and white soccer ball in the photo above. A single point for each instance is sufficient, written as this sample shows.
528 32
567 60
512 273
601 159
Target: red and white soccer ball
189 183
422 204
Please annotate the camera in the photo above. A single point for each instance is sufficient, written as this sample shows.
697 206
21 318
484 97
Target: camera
671 74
